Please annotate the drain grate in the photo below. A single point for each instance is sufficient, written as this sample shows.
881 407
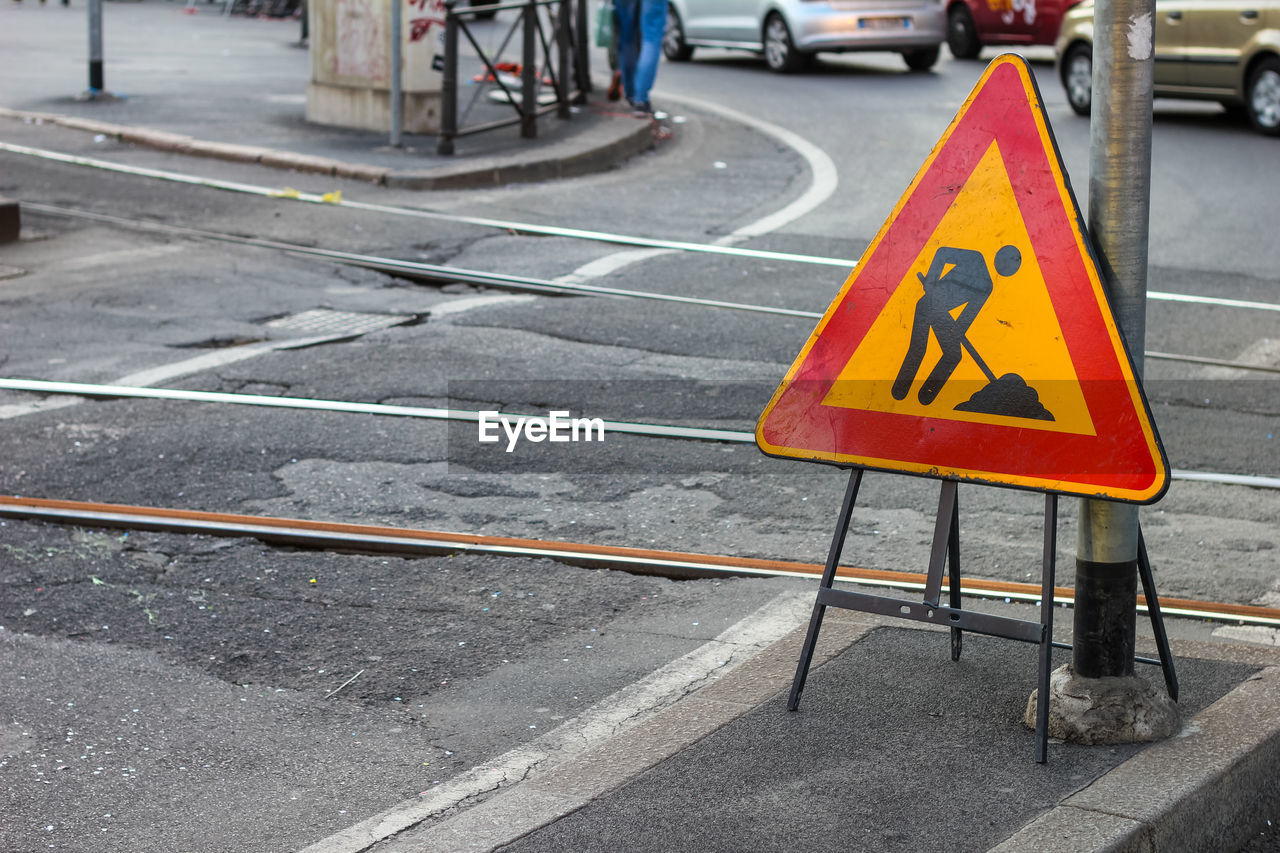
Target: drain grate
328 322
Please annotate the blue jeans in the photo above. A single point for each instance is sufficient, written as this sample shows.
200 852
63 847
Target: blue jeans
640 26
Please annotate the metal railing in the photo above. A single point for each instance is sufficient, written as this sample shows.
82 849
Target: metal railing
540 23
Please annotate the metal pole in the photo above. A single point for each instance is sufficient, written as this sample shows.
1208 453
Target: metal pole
396 95
529 97
1119 213
96 83
449 83
581 61
564 23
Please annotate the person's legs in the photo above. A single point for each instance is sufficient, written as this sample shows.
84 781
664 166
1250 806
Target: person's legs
628 12
653 20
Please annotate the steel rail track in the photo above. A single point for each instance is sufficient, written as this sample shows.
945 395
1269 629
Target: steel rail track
522 227
363 538
524 284
669 431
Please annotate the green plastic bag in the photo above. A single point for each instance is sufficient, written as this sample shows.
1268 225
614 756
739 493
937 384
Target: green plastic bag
604 24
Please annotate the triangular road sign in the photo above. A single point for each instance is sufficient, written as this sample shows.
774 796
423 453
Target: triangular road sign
974 340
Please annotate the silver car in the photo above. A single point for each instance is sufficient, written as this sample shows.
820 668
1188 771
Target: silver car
790 32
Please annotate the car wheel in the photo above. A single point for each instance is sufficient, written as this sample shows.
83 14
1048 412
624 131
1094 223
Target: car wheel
923 59
673 43
1262 97
779 50
962 35
1077 77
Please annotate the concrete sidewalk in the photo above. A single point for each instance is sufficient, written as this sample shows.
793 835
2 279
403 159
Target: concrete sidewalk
234 89
894 748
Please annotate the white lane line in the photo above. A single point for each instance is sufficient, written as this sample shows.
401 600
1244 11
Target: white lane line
619 712
468 303
151 376
823 179
824 176
608 264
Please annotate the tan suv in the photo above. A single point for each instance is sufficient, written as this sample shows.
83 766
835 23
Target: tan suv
1217 50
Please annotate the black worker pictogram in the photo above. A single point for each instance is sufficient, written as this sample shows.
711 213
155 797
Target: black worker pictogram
960 279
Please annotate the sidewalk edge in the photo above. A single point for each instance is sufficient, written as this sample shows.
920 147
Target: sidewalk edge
1201 790
603 150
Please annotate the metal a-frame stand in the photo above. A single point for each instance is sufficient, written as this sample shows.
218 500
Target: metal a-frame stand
946 551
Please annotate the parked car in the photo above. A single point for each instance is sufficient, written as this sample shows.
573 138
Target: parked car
1218 50
790 32
972 24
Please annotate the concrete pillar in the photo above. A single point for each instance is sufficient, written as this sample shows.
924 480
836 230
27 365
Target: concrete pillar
350 42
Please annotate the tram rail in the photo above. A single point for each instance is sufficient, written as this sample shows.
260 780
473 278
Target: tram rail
722 247
527 284
354 537
380 539
650 430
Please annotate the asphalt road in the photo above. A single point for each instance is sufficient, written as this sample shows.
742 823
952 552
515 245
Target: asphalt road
198 674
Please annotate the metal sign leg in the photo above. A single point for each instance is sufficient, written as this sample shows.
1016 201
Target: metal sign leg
953 573
1046 624
1157 621
828 578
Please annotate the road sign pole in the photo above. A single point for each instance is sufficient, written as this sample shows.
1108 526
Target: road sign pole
396 95
96 83
1119 210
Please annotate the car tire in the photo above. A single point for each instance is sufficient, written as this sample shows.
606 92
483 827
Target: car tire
780 52
1262 97
962 34
674 46
1077 77
922 59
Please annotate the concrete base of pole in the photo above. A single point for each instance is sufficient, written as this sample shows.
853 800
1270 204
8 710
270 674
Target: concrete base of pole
1116 709
96 95
370 109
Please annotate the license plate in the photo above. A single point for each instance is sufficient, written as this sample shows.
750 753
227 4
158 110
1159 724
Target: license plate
884 23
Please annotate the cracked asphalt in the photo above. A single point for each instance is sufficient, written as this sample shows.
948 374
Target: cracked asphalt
183 693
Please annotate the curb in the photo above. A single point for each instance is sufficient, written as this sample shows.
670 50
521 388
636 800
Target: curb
597 150
603 146
560 790
1203 789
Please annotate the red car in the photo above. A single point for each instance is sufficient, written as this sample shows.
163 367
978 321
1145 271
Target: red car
974 23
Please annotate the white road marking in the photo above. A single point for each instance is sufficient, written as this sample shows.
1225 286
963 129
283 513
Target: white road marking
115 257
219 358
468 303
165 372
822 169
823 181
611 716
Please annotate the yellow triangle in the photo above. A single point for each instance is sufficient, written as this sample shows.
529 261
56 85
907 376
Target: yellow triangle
1015 331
